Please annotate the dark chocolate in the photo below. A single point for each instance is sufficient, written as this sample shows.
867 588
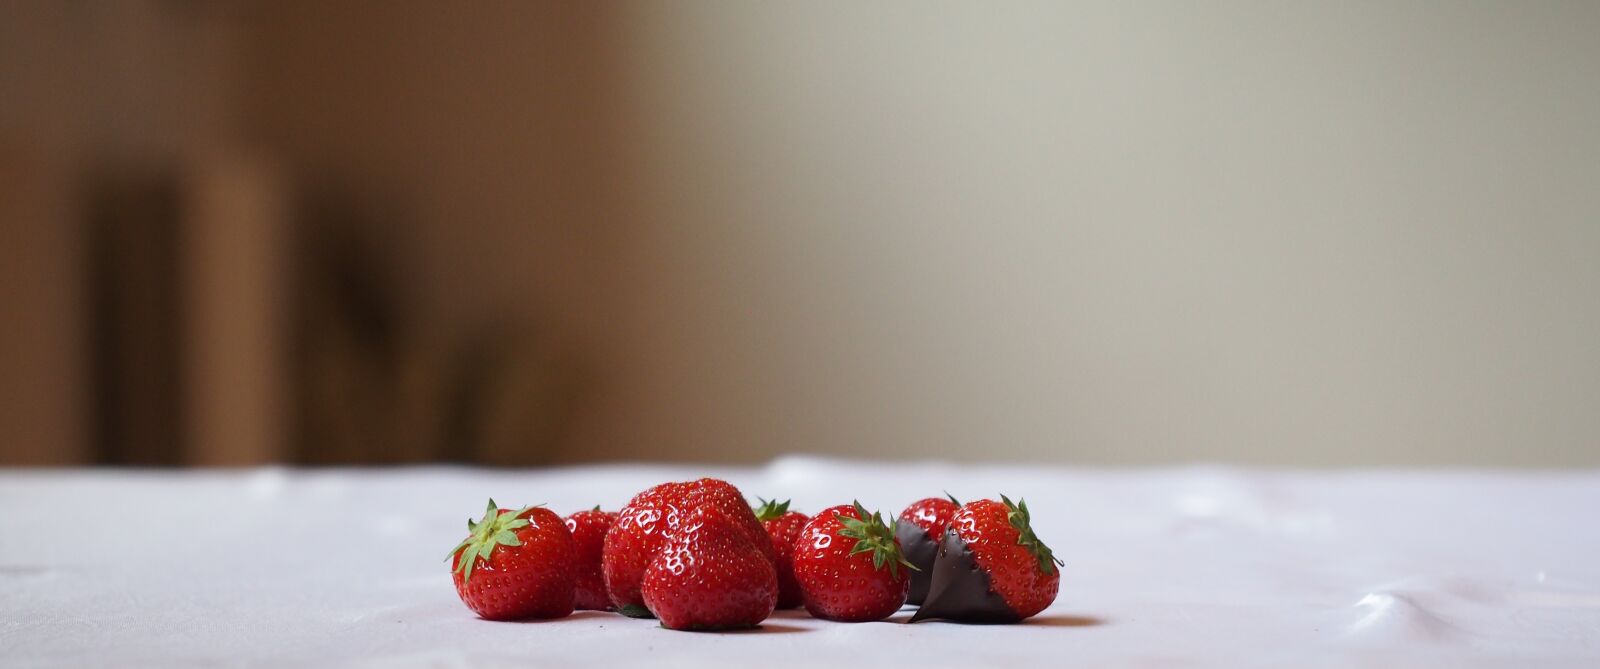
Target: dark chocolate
959 589
920 550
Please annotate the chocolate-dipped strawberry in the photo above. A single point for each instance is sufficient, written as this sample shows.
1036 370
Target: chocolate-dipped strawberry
919 529
991 567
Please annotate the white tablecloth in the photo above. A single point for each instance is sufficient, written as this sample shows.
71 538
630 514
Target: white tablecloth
1164 567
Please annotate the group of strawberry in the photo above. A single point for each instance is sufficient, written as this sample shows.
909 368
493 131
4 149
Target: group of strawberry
697 557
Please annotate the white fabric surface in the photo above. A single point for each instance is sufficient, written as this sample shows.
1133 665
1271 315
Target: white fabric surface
1164 567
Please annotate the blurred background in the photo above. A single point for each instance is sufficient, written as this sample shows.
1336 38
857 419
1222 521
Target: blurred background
1320 234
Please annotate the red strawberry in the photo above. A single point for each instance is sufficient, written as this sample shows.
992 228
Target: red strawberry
847 564
654 515
919 529
783 526
710 576
516 564
589 538
991 567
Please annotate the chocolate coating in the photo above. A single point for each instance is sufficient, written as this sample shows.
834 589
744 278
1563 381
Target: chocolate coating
959 589
919 549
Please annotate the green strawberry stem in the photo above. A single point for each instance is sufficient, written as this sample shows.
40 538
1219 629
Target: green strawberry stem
770 509
1020 518
496 529
872 535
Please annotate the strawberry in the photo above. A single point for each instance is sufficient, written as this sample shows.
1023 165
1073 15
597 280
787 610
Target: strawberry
783 526
589 539
709 576
991 567
847 564
655 515
516 564
919 529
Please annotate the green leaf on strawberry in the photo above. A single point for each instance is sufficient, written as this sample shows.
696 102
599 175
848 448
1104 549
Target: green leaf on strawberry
1017 514
771 509
871 534
495 529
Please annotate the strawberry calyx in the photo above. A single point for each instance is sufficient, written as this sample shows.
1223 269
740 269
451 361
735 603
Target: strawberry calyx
1017 514
495 529
872 535
771 509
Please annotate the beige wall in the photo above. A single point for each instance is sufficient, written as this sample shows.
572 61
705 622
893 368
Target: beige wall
1309 233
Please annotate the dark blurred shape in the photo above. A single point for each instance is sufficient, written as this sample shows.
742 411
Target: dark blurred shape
271 232
135 317
347 339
